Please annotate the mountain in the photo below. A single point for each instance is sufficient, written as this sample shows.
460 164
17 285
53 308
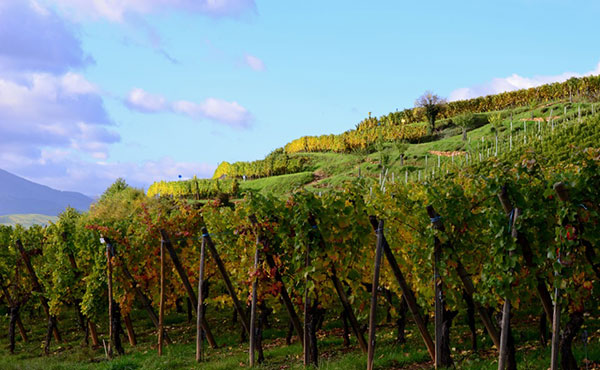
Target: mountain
21 196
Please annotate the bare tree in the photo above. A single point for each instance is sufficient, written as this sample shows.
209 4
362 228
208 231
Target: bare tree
433 105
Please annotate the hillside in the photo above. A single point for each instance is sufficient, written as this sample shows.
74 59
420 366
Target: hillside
20 196
398 146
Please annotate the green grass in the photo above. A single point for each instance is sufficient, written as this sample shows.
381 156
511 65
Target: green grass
233 355
277 184
26 220
334 170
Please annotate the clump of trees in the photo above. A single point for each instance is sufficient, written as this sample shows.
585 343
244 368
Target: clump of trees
276 163
432 105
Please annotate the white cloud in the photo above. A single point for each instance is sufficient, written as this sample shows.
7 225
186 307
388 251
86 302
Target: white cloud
54 128
61 170
143 101
513 82
187 107
254 62
44 110
45 107
117 10
76 84
229 113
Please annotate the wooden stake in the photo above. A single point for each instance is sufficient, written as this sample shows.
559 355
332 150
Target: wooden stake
306 334
186 283
437 281
37 286
200 305
161 309
287 302
130 332
465 277
93 334
527 255
348 308
144 300
253 306
341 293
563 196
555 331
373 312
227 280
503 352
407 292
111 335
11 303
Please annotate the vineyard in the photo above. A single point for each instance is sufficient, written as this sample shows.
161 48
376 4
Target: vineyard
408 126
378 272
194 188
276 163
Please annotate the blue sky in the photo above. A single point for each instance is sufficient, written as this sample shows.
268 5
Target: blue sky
92 90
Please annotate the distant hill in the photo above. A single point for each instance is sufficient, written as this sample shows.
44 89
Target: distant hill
20 196
27 220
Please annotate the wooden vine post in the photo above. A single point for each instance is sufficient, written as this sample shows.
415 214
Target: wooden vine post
130 331
285 297
144 300
200 305
15 318
468 286
253 305
186 284
114 316
93 333
563 196
12 303
226 279
555 331
90 326
438 292
541 287
111 334
306 345
161 309
407 292
348 309
342 295
373 311
505 329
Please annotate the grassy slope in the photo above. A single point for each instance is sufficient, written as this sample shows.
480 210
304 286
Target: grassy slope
26 220
335 169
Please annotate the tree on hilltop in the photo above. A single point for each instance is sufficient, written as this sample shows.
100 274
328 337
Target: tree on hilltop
433 105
